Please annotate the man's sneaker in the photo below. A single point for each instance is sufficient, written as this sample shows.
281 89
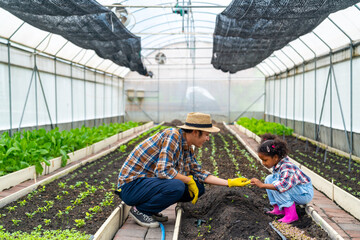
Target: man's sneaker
142 219
159 217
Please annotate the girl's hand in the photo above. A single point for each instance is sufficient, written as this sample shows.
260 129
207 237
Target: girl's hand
256 182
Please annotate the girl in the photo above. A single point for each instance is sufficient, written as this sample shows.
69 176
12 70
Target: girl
288 185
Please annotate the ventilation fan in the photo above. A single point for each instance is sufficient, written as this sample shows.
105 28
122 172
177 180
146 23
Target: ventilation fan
160 58
121 13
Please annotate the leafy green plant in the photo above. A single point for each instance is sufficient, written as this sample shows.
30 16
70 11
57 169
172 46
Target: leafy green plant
79 223
37 147
260 127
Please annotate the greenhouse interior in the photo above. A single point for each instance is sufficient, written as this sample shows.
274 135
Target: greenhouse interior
83 83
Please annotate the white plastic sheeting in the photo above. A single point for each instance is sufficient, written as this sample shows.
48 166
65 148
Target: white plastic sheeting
287 98
179 87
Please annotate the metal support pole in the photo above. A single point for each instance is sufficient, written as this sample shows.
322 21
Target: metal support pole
104 100
351 104
56 101
124 99
118 100
84 96
303 102
286 96
342 114
95 98
111 101
26 99
274 101
323 104
10 98
158 93
36 98
294 101
331 107
46 104
72 96
315 91
229 108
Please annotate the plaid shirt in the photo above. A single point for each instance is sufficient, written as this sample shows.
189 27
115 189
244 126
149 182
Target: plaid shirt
162 155
290 175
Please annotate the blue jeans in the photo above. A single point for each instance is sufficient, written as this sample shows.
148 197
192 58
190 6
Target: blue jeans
299 194
152 195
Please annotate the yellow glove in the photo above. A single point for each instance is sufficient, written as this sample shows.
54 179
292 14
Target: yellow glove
238 182
193 190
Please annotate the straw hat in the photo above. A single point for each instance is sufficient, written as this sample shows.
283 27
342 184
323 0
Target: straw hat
199 121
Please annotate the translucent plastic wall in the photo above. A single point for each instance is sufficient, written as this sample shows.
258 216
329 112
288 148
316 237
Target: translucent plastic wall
187 82
325 96
47 91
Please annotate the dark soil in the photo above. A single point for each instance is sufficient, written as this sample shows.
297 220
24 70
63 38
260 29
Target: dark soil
328 165
101 174
234 213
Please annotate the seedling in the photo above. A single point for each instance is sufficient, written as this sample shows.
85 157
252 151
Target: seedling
15 222
79 223
47 222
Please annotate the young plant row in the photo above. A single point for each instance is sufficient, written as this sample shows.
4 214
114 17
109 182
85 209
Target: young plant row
260 127
81 200
32 148
229 213
330 166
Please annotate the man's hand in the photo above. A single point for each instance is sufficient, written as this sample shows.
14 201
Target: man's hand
238 182
193 190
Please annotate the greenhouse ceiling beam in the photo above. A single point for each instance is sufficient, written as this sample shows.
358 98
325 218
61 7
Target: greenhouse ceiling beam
163 6
176 42
263 70
165 14
178 33
61 48
168 38
169 22
269 58
42 41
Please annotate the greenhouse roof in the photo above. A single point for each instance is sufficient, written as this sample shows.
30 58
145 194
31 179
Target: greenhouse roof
162 23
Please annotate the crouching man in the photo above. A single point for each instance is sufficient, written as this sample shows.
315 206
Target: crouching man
162 170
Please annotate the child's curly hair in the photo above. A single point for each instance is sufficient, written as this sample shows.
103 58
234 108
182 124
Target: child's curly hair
272 145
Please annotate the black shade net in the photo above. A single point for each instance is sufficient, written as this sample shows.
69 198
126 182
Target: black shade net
249 31
85 23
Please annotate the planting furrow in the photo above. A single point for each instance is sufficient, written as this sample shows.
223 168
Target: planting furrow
236 213
81 200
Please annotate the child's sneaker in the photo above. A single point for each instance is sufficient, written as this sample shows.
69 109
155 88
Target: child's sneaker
143 219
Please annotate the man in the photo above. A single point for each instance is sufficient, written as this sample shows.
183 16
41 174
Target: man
162 170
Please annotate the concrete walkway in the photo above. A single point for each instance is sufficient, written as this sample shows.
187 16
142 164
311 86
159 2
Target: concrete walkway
132 231
342 222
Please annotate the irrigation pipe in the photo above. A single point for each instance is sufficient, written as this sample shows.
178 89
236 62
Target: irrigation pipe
309 210
179 211
324 225
162 231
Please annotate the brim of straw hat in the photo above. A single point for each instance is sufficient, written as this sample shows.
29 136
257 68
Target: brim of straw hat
211 129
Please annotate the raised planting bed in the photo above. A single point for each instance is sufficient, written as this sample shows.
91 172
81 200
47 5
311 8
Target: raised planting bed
82 200
236 213
330 166
39 149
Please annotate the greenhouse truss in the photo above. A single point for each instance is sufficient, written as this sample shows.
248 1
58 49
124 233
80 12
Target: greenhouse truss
70 63
83 83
